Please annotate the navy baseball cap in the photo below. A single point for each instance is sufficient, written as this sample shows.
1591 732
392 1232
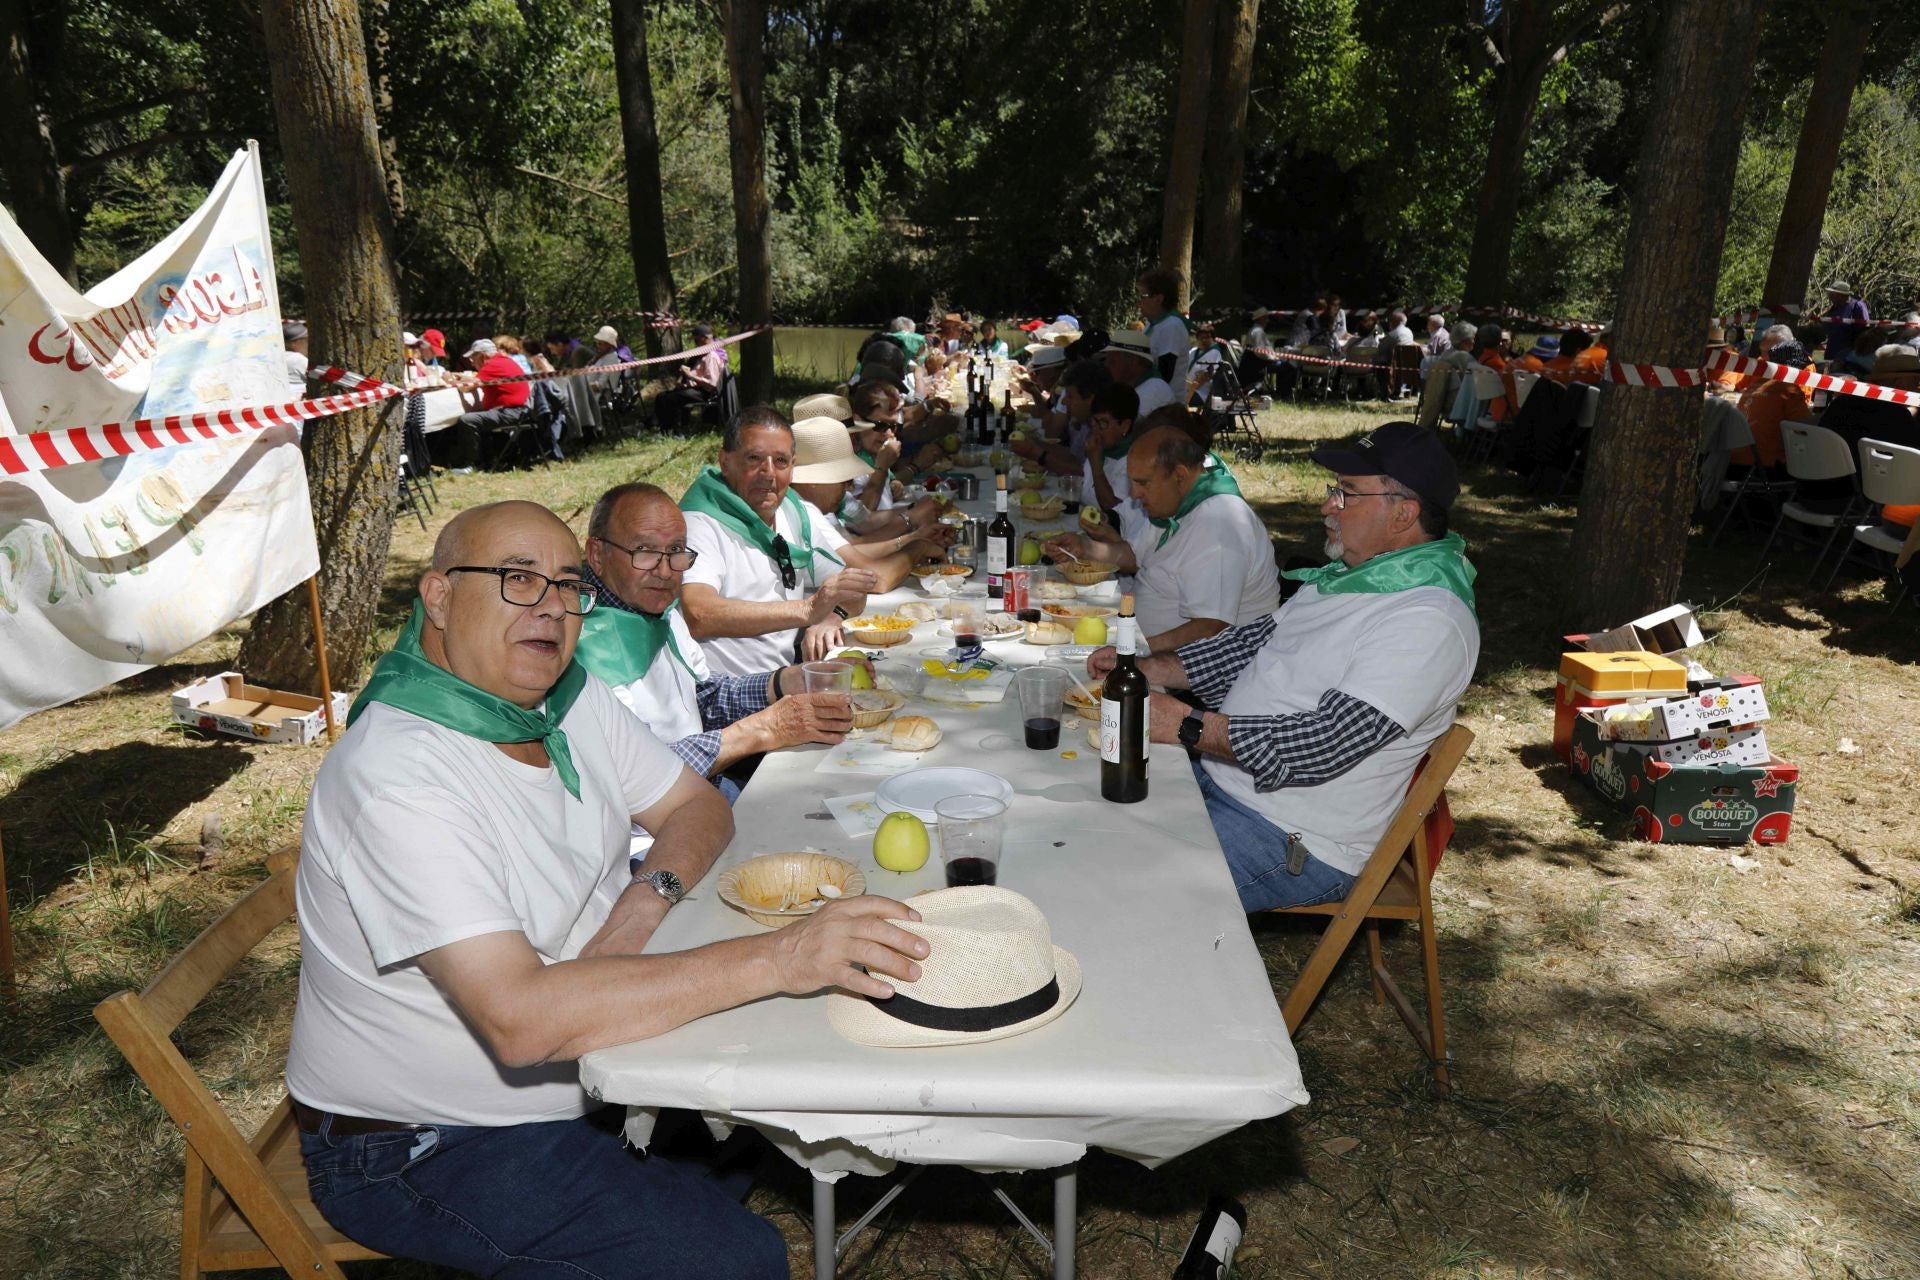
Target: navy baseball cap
1403 451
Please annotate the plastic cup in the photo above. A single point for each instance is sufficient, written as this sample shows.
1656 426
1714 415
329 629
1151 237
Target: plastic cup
827 677
971 830
1040 690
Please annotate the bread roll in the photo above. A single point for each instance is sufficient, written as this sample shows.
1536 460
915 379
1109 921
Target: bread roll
913 733
1049 633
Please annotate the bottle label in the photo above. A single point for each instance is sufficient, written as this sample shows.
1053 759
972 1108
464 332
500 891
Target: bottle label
1223 1242
996 556
1110 730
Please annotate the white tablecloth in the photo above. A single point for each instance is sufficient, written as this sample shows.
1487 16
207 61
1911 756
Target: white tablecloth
443 406
1175 1039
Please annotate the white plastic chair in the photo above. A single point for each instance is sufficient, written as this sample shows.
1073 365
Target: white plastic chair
1889 476
1816 453
1523 380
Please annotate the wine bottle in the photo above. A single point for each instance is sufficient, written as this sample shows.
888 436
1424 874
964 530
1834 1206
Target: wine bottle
1123 718
1210 1248
1001 550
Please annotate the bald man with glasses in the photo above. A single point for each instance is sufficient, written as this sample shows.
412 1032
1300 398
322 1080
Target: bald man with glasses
638 642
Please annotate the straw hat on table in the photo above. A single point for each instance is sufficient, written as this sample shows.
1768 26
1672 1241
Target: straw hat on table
991 972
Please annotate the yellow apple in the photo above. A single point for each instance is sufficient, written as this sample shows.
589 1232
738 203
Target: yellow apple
1090 631
901 843
861 680
1029 552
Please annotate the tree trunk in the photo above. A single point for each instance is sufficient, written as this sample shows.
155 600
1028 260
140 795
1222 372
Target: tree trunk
1798 238
343 224
1630 542
1527 56
35 184
646 215
752 218
379 20
1226 154
1181 202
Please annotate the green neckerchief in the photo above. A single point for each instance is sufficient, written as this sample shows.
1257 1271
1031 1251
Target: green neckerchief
1214 479
1185 323
864 456
1120 450
405 678
1442 563
619 645
709 494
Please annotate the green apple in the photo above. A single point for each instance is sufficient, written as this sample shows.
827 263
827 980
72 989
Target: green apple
951 444
1090 631
901 843
1029 552
861 680
1090 516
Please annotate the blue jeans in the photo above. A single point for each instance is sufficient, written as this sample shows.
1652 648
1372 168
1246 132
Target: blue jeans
1257 855
565 1198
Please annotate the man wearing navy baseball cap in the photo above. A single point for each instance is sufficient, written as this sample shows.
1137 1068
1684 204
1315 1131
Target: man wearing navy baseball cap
1317 715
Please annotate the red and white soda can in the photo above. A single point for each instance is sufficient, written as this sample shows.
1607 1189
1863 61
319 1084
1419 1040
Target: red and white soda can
1014 592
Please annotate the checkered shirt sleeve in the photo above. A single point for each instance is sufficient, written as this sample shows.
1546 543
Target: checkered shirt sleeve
723 700
1213 664
1306 748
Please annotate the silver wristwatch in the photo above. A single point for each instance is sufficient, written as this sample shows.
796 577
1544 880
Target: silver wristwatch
664 883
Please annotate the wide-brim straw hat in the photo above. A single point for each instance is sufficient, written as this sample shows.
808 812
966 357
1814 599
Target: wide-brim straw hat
1128 342
991 972
824 405
1840 287
608 334
1043 355
823 452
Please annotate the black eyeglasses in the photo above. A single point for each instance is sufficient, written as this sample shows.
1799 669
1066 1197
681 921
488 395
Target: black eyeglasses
526 588
678 558
784 558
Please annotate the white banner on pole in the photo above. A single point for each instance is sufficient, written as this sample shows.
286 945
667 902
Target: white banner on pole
109 567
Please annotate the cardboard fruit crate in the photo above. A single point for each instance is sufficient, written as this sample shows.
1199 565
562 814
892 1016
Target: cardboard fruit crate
227 704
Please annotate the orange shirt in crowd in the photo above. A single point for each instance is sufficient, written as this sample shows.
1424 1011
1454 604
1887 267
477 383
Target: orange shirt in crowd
1900 515
1502 409
1591 365
1766 407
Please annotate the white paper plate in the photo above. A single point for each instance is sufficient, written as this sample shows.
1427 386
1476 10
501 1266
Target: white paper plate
1014 628
919 790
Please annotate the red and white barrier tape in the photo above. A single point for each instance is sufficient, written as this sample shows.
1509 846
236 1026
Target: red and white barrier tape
46 450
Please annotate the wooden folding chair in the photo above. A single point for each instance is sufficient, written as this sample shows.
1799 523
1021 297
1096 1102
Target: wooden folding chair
1394 885
246 1205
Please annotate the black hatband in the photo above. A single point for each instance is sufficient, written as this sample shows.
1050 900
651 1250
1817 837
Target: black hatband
989 1017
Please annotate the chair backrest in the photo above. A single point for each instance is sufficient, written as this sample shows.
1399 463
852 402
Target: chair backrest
1889 473
1815 452
142 1025
1588 398
1408 828
1487 384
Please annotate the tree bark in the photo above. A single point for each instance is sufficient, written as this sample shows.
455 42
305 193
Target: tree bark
1181 202
646 211
1527 55
1798 239
1630 542
746 22
1226 155
35 182
323 103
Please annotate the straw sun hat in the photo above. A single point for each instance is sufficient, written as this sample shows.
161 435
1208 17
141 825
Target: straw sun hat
823 453
824 405
991 972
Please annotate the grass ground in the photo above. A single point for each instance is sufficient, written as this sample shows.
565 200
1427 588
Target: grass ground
1667 1064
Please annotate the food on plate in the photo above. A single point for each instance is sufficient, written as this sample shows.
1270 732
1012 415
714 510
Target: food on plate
880 622
779 888
1071 612
1048 633
944 570
1090 630
917 611
871 707
1079 700
1035 506
1052 591
900 843
913 733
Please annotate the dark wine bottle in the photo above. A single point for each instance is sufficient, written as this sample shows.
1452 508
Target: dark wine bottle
1123 718
1210 1248
1001 546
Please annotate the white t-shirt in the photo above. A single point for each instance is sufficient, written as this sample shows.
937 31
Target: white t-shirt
1169 336
1133 516
1154 391
418 837
1407 654
667 701
739 571
1218 564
